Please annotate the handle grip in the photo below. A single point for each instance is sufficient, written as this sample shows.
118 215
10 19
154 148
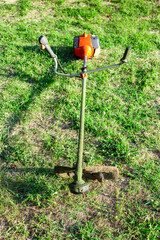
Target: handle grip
123 59
44 41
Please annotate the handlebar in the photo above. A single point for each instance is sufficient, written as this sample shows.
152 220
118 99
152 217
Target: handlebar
123 59
43 41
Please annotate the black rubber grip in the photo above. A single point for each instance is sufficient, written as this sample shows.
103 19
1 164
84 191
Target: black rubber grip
125 54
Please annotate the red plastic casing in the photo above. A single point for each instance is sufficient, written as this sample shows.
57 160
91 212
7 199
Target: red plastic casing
85 47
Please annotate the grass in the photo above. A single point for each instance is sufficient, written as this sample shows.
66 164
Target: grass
39 120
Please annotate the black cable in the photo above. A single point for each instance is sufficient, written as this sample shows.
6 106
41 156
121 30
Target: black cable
61 66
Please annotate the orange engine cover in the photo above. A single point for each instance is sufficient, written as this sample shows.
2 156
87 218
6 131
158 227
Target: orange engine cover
84 45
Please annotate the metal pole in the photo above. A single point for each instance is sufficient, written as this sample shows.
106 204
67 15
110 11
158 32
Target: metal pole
79 185
81 134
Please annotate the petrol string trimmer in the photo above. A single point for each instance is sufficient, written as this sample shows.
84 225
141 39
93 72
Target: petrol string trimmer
85 46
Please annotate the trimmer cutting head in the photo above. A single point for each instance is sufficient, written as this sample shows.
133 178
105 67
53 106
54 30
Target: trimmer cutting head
86 46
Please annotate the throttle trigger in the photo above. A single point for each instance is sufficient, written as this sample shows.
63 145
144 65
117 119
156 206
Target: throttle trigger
43 46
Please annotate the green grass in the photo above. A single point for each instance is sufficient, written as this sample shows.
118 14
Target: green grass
39 120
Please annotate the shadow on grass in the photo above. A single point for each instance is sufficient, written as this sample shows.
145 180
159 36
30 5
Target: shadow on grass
29 185
37 171
64 53
37 86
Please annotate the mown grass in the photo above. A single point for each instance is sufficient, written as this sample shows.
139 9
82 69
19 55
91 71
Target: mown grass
39 120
